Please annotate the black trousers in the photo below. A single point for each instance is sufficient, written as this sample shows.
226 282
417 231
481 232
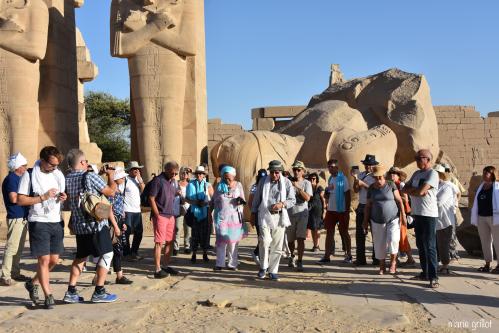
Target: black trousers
360 236
200 234
134 226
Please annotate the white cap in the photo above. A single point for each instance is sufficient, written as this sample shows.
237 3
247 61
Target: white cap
439 168
119 173
200 169
16 161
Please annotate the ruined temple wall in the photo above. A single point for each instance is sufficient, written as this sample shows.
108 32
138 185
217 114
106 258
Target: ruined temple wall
470 140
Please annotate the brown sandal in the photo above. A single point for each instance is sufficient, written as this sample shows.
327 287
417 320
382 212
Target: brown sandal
484 269
495 270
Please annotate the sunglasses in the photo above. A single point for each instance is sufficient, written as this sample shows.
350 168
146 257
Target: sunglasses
297 169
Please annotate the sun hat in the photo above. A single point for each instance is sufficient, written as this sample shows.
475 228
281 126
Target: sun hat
119 173
298 165
185 169
134 165
398 171
379 170
200 169
275 165
369 160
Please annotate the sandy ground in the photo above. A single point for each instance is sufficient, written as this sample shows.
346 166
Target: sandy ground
332 298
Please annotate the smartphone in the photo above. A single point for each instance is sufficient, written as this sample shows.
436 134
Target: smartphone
355 169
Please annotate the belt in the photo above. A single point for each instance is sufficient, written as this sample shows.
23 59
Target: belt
273 213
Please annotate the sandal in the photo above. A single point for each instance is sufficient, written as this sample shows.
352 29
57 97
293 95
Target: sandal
434 284
484 269
495 270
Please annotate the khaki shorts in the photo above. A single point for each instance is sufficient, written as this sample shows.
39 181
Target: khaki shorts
298 227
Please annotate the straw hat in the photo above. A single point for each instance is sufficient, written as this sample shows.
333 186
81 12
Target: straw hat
398 171
379 170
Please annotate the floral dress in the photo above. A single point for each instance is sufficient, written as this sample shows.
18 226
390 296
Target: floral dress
227 217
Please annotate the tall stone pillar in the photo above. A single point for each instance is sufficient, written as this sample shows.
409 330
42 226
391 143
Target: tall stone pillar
165 46
58 94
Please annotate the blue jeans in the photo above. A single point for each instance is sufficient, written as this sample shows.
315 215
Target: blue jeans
426 241
133 223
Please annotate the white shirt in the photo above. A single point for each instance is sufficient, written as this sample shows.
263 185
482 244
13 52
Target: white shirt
332 194
132 195
446 200
427 204
37 213
369 180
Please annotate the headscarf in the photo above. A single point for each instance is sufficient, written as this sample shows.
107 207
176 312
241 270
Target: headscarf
15 161
223 187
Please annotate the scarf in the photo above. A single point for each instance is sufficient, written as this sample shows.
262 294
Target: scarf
263 209
495 205
223 187
339 191
40 188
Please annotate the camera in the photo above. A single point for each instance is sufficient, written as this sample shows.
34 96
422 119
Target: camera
240 201
108 167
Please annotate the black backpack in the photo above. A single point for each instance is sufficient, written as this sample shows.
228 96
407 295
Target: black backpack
144 196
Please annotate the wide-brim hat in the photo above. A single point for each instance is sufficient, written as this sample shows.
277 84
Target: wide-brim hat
200 169
185 169
133 165
298 165
119 173
379 170
439 168
369 160
398 171
275 165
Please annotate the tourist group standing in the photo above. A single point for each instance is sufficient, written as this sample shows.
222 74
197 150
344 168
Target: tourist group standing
286 209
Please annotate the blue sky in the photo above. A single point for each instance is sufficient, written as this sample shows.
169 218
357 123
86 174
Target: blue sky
278 52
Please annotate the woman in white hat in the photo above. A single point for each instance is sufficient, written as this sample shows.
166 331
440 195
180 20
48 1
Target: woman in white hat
446 198
384 208
118 202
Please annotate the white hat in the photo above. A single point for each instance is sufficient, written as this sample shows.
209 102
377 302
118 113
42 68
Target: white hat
16 161
119 173
134 165
439 168
200 169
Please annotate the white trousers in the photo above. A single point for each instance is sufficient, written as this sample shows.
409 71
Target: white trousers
489 235
386 235
232 255
270 247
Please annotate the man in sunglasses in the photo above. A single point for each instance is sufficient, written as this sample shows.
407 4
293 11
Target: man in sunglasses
132 188
422 188
164 189
273 196
298 215
42 188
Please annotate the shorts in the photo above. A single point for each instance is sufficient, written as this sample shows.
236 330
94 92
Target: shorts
332 218
298 227
95 244
46 238
164 228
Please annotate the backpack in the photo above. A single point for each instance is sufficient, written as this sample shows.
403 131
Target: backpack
94 205
144 196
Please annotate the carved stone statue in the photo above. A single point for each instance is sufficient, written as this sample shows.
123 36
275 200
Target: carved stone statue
23 43
160 38
388 114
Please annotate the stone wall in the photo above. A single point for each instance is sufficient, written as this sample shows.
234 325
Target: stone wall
217 131
470 140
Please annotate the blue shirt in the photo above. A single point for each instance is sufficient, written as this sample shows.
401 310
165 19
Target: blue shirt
11 184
